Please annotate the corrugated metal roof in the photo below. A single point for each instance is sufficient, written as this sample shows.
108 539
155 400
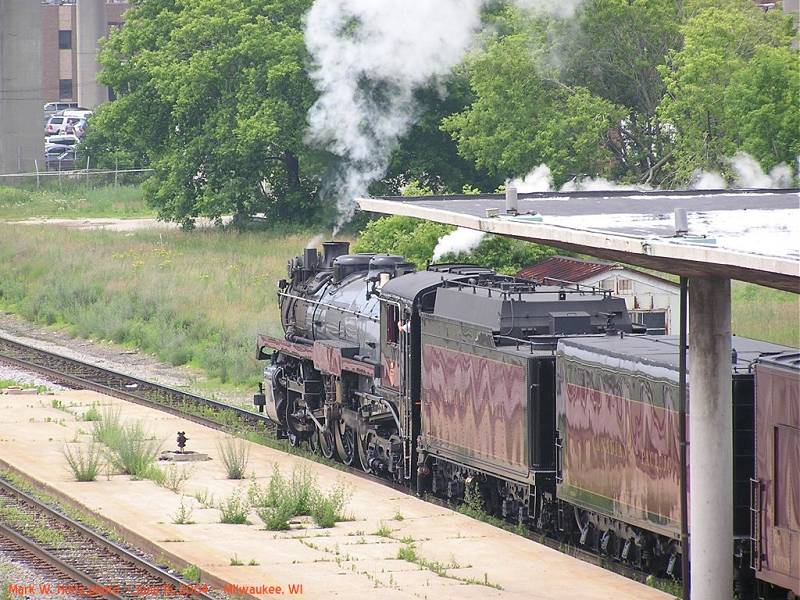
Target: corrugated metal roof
565 268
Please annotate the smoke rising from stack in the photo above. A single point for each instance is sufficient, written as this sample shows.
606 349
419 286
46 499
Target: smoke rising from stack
369 58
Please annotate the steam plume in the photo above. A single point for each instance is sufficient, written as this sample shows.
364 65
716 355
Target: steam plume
538 180
370 57
749 173
707 180
460 240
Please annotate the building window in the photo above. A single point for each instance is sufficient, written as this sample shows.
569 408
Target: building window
655 321
624 285
65 89
65 39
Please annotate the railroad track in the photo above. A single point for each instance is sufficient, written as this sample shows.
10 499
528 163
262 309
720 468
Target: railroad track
80 375
218 415
80 561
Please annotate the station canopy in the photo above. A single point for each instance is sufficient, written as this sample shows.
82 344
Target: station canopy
749 235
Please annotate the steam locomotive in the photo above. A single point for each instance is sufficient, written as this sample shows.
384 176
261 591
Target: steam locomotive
541 400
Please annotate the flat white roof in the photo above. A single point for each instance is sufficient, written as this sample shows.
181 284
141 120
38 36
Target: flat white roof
751 235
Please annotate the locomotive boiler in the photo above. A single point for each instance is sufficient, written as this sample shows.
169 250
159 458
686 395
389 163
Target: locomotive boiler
541 401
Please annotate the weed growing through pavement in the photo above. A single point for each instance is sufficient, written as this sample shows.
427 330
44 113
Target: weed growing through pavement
183 516
85 462
384 530
398 516
235 562
205 498
235 453
234 509
285 498
174 477
409 553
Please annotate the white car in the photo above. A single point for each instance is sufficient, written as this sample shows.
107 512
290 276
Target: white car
62 140
81 113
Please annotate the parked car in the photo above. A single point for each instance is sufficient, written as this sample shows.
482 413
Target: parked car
59 158
52 108
81 113
62 140
54 125
73 126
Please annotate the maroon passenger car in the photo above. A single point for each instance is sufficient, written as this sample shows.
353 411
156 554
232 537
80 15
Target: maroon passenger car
618 426
775 498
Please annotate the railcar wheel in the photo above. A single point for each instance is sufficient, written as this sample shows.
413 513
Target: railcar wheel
346 443
323 444
363 445
293 433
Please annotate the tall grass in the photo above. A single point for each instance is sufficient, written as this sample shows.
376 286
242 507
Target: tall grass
235 453
132 450
73 201
195 298
765 314
84 462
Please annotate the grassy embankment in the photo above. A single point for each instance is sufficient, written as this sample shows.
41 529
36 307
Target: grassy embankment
196 298
72 201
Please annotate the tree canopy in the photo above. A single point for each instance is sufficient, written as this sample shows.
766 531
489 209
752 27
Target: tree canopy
214 96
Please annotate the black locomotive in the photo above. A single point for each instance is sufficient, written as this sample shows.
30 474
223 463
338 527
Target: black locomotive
457 378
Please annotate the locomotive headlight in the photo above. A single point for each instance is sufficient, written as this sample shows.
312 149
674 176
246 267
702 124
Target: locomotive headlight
383 278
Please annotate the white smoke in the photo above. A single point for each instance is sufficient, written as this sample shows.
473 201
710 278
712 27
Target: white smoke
460 240
707 180
370 57
314 241
749 173
538 180
597 184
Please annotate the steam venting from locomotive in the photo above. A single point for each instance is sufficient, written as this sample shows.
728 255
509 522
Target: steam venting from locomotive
370 58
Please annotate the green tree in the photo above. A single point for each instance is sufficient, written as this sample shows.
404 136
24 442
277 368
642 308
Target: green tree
614 49
416 240
213 95
733 85
523 115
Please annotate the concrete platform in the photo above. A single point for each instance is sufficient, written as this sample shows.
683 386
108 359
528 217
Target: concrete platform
347 561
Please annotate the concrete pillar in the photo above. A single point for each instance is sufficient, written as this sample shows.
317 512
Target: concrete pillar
710 439
21 125
90 17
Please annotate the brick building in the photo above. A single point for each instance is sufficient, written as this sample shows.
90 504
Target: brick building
60 46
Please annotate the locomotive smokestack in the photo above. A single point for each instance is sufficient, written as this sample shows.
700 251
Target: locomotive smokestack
332 250
511 200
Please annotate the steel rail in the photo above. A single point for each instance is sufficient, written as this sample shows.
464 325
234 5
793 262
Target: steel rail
116 549
133 390
42 554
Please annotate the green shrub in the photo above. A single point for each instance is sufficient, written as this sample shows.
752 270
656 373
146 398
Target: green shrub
285 498
92 414
235 453
85 463
191 573
234 509
134 451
